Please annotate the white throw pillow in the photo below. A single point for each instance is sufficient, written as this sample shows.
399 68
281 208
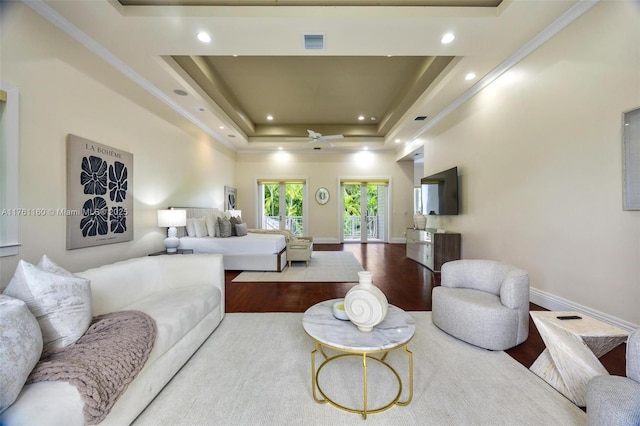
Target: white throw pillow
61 302
191 228
200 224
20 347
49 265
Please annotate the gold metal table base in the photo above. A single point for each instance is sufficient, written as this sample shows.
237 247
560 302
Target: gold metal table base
365 356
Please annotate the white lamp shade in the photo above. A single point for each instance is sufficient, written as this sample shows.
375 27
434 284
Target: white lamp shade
169 218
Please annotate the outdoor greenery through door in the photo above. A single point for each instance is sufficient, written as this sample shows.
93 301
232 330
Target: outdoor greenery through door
364 207
283 206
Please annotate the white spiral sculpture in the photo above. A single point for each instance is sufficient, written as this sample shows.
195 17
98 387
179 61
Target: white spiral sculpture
365 304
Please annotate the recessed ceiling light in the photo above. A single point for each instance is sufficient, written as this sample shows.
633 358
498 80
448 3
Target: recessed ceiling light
221 127
397 140
204 37
361 117
470 76
279 148
269 117
447 38
373 119
180 92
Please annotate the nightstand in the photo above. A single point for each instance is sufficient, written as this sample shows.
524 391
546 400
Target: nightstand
179 251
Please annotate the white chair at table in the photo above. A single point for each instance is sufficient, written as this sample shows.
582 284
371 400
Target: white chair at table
615 400
483 302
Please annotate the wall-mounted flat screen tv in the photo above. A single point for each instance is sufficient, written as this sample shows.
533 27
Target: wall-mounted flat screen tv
440 193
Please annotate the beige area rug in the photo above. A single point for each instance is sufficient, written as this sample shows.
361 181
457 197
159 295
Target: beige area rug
325 266
255 369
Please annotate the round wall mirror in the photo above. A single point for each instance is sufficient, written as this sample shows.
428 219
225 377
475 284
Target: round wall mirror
322 195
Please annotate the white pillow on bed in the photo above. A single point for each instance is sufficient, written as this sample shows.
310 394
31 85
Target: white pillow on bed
200 225
191 228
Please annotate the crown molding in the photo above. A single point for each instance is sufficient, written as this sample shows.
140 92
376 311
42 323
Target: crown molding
560 23
44 10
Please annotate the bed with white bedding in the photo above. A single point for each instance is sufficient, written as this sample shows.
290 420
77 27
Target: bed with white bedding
251 252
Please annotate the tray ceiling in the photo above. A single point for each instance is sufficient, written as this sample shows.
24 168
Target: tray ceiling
383 59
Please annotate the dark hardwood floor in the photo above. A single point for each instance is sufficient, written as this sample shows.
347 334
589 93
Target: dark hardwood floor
406 284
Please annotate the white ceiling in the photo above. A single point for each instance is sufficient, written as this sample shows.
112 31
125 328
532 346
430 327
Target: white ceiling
145 43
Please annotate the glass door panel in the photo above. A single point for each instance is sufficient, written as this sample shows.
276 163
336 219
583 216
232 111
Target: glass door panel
282 206
294 203
351 213
270 205
364 212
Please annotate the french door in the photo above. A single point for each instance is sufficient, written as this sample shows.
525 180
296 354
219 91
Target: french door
364 211
283 205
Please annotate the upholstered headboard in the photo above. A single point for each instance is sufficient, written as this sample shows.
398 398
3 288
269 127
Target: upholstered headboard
193 212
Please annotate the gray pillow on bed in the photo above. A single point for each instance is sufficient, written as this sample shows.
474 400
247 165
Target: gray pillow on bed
241 229
225 227
234 221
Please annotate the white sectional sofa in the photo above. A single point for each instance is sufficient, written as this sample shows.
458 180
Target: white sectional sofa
184 294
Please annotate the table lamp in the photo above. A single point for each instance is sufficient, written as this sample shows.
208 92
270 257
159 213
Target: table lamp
170 219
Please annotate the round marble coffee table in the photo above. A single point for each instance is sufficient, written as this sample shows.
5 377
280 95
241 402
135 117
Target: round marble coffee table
394 332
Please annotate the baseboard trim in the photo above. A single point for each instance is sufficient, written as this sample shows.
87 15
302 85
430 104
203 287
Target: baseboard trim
325 240
556 303
336 241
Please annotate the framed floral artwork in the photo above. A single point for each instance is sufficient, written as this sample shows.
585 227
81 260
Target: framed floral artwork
99 194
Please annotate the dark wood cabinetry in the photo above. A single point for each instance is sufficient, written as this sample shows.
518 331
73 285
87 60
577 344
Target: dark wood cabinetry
431 248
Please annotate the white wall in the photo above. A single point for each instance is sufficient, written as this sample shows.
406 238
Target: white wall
61 92
539 157
325 170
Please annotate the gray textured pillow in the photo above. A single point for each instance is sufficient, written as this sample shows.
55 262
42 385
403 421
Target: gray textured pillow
60 301
235 220
20 347
225 227
241 229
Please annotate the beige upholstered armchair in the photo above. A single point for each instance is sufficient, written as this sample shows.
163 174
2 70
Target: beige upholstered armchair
483 302
299 249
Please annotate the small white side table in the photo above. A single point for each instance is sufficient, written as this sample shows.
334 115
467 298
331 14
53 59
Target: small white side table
573 348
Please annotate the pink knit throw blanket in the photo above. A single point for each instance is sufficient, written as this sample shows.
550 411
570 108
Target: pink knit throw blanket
103 362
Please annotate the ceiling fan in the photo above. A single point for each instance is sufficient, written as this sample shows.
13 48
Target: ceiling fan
317 137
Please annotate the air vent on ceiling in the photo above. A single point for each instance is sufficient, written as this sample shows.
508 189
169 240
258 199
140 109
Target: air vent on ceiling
314 41
317 148
420 118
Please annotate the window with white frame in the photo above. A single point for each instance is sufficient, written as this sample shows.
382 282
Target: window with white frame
9 211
